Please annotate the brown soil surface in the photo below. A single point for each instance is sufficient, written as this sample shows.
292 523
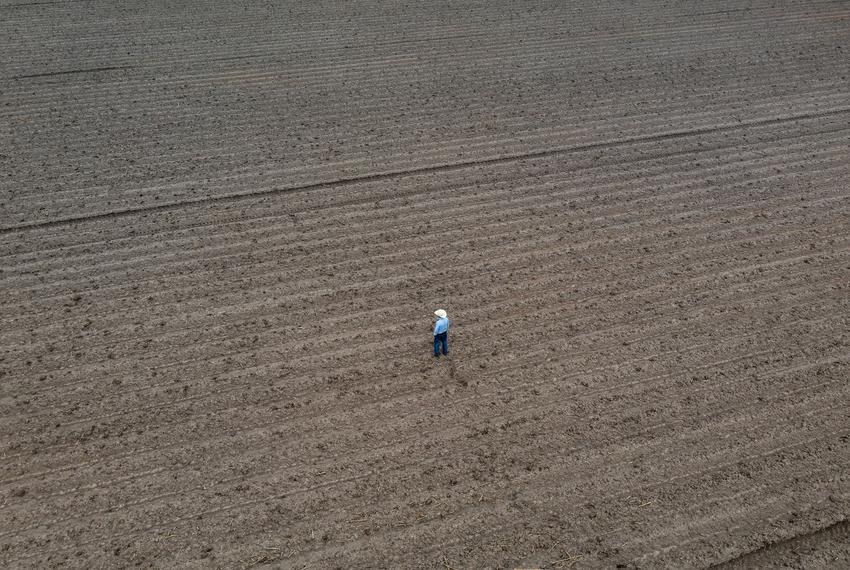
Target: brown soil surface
828 547
224 227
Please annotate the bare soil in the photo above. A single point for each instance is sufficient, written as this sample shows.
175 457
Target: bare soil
224 227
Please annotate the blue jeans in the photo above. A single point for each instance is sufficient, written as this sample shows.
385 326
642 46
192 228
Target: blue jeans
441 339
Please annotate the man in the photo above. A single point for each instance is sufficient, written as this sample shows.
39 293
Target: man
441 333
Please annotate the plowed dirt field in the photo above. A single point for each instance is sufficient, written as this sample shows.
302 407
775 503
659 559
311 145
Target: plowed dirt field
225 226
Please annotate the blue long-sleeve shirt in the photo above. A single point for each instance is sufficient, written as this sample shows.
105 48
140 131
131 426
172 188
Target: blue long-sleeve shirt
441 326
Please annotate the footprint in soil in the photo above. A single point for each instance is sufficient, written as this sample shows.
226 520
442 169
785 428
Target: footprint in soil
453 374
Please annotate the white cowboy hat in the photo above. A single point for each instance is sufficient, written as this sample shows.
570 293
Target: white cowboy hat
440 313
